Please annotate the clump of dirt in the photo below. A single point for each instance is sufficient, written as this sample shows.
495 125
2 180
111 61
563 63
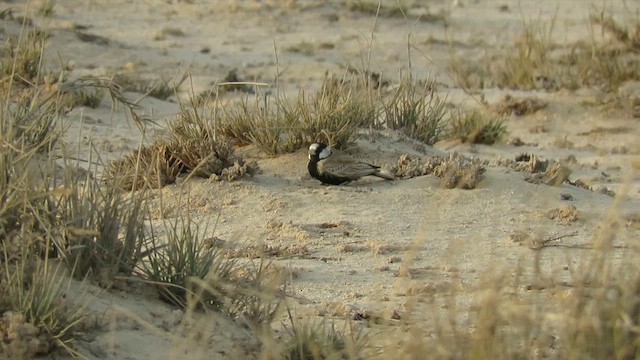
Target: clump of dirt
539 171
20 339
530 163
454 171
584 185
237 171
519 107
565 215
407 167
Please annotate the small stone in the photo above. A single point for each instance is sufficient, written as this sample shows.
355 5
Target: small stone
394 259
566 197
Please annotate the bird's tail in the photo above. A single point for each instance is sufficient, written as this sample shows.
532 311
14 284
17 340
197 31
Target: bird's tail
380 174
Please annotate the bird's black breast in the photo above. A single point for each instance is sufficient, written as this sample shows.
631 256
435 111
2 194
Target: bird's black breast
312 166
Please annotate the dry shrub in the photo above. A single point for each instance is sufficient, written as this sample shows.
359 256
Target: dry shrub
97 230
335 114
257 294
537 63
152 167
21 58
192 146
309 340
417 110
185 270
476 127
455 171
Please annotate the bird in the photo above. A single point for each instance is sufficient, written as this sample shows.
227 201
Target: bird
332 167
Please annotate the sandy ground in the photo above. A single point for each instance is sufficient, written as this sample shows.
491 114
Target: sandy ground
359 237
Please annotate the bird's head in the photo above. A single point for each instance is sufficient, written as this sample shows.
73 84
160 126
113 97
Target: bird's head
319 151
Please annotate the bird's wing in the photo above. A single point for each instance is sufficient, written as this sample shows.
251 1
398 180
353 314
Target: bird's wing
346 167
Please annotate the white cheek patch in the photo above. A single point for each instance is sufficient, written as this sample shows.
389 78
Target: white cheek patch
325 153
313 149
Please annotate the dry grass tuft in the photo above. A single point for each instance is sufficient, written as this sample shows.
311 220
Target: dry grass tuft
40 319
602 61
192 146
97 230
203 152
459 172
333 115
152 167
407 167
185 270
417 111
257 295
541 171
22 57
309 340
267 251
477 127
160 88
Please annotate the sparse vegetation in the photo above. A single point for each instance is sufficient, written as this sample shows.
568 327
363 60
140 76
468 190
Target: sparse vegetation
538 63
310 339
416 109
46 7
89 98
474 126
304 48
59 226
22 56
36 317
97 231
160 88
257 295
334 115
184 268
192 145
